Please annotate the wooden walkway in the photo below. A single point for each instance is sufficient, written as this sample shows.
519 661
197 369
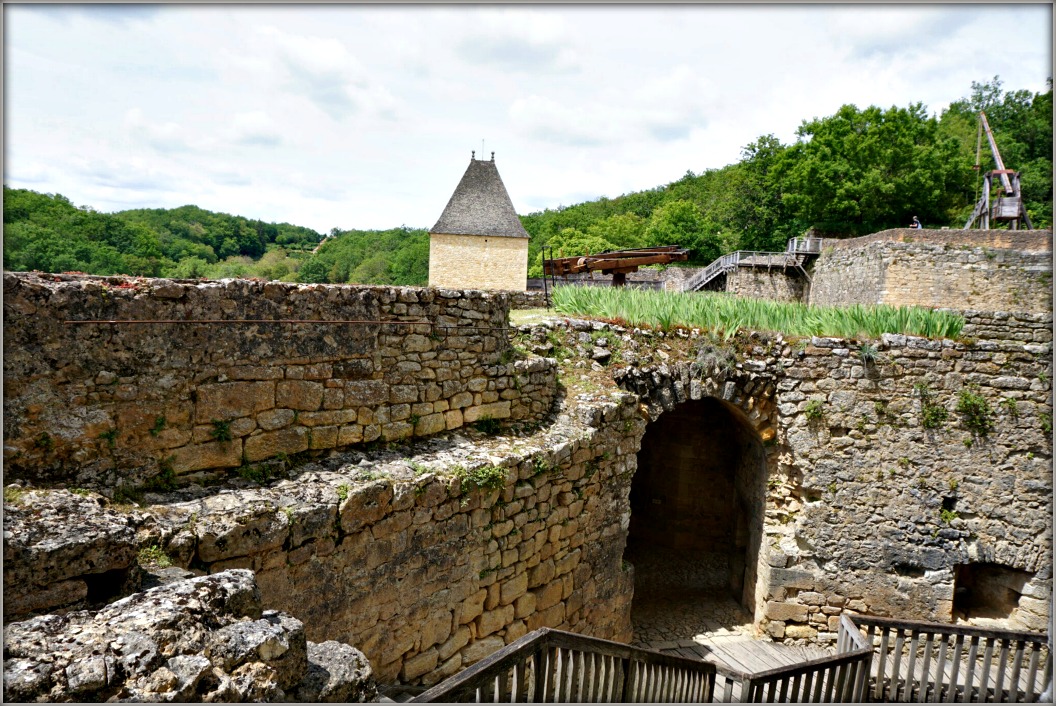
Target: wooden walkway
745 654
748 655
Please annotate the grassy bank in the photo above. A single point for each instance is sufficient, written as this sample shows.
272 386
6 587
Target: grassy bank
727 314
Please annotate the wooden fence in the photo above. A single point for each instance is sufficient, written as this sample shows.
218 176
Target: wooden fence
932 662
891 661
554 666
843 677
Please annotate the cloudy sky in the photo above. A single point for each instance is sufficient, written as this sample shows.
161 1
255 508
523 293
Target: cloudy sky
365 116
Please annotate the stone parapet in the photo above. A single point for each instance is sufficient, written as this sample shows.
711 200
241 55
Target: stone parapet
210 384
991 270
427 558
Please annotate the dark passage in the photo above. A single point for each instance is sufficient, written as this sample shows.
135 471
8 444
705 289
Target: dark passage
696 521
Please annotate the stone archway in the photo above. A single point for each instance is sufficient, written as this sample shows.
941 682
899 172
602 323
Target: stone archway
697 509
719 424
699 485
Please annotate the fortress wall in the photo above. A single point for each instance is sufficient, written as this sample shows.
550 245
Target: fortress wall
403 558
775 285
867 509
120 403
992 270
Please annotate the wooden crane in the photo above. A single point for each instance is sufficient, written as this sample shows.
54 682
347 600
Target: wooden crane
619 263
1009 207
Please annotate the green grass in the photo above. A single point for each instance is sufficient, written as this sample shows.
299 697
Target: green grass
154 556
727 314
487 477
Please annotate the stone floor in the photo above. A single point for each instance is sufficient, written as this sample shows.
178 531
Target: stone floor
683 606
683 597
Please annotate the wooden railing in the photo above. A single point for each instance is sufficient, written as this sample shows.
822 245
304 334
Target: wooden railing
794 255
930 662
843 677
553 666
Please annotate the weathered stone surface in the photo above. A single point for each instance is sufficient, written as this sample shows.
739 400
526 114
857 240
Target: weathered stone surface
53 539
786 611
232 526
230 400
217 454
270 444
481 649
275 638
191 640
299 394
494 410
337 673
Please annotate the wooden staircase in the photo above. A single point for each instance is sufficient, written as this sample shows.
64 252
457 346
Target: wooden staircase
796 255
891 661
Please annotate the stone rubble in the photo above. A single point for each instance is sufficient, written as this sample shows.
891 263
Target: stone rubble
201 639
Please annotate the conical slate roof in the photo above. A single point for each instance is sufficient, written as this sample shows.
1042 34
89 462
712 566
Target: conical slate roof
480 205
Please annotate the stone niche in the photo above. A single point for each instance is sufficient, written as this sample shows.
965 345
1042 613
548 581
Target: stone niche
990 594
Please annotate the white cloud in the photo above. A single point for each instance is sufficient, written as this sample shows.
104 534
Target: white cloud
364 116
255 128
324 71
165 136
519 40
666 109
136 173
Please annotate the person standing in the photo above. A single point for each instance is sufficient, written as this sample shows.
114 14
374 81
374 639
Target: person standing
916 223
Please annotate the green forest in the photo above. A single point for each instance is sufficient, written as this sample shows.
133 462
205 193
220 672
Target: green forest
852 173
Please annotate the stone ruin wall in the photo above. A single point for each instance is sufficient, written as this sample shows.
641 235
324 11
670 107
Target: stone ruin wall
420 572
775 285
123 403
995 270
427 578
856 486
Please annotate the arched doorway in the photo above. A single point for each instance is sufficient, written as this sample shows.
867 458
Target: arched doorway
697 505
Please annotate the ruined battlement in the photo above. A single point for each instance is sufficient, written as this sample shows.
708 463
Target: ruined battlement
991 270
193 377
910 477
986 270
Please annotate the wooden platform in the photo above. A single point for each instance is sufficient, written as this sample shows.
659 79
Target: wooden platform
747 655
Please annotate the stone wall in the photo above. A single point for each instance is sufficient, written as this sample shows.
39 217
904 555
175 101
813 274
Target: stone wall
776 285
530 299
120 403
409 554
995 270
870 509
400 553
200 639
478 262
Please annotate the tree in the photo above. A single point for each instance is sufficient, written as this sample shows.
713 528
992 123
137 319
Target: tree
758 214
861 171
624 231
682 223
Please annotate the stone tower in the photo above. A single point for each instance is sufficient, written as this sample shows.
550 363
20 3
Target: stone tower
479 243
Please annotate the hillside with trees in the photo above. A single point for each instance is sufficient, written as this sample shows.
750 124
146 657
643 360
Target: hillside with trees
47 232
857 171
852 173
